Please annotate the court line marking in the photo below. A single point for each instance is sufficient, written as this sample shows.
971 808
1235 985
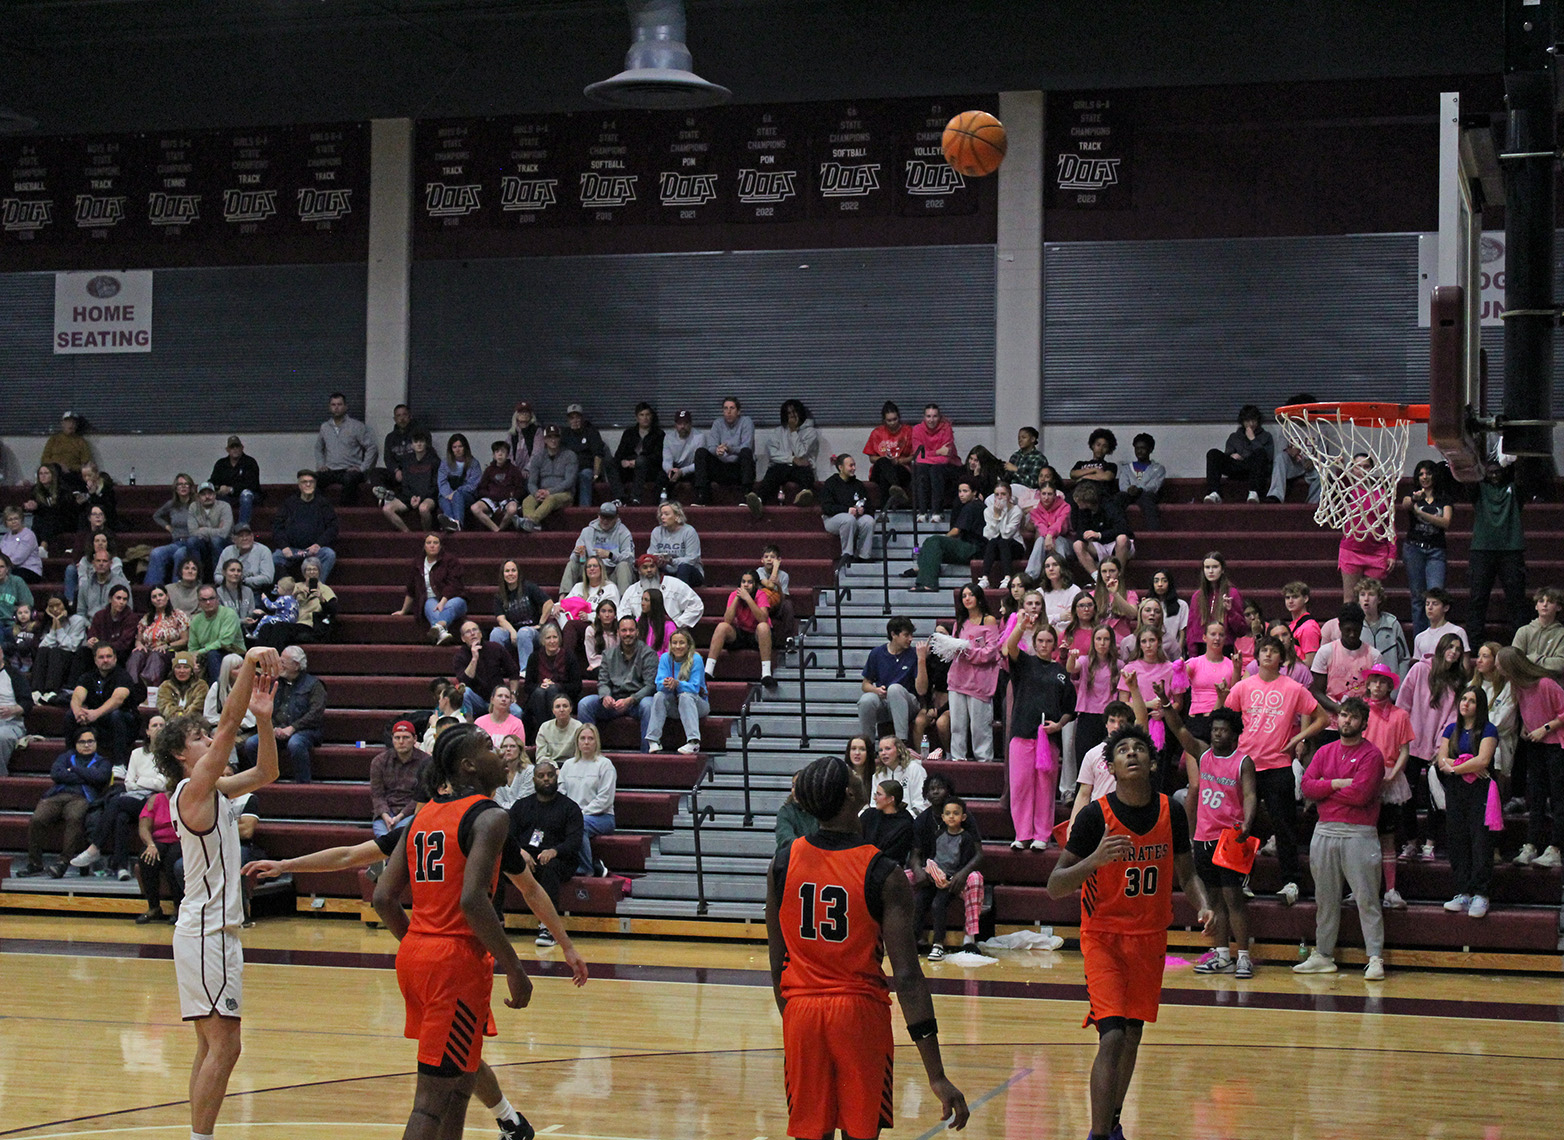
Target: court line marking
973 1106
395 1126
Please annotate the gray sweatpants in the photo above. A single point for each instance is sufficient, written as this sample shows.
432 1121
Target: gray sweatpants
902 704
1346 852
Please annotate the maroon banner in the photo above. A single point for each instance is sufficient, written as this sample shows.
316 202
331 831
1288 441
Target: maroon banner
683 163
172 188
250 169
927 184
330 181
1089 152
770 156
854 160
534 170
95 189
613 175
29 212
449 183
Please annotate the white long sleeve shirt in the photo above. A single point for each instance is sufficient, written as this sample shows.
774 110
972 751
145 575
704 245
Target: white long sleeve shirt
591 783
683 604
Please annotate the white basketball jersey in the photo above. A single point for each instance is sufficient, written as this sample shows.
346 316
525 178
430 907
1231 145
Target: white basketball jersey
214 897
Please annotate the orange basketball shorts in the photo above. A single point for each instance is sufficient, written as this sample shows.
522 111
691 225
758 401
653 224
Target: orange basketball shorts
837 1061
446 983
1123 974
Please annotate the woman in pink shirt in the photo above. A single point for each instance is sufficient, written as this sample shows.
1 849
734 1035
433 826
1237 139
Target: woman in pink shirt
1096 675
1217 599
933 450
1159 676
1540 702
500 722
974 675
1390 730
156 865
1077 632
1210 675
1115 605
1049 520
1254 620
1428 695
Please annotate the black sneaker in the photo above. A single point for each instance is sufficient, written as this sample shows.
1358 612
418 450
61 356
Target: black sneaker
517 1130
601 868
57 871
544 940
31 871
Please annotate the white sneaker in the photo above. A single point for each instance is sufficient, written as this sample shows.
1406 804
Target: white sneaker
1288 894
1018 845
1315 963
923 518
1479 907
937 519
654 746
544 940
982 581
1270 847
1253 497
1459 904
1428 850
1375 970
1213 497
1393 900
690 747
1005 583
1527 853
1549 858
86 858
1039 845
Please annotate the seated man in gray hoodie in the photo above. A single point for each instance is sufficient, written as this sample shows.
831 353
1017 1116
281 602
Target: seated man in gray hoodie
609 539
551 480
792 450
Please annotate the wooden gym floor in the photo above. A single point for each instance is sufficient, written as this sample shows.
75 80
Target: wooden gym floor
680 1039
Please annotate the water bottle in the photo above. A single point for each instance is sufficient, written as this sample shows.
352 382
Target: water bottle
923 745
1303 951
132 476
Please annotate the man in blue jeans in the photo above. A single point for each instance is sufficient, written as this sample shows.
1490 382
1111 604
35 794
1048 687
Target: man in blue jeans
625 681
299 719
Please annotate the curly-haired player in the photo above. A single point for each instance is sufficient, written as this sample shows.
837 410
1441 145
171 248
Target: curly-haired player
1121 855
832 902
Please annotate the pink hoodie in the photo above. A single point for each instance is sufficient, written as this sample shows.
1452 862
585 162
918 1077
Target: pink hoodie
931 441
975 671
1427 723
1363 764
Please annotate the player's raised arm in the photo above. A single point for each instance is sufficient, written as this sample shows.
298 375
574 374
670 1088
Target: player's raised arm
912 991
265 770
195 804
331 859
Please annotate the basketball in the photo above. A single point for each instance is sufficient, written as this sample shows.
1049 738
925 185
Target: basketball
974 143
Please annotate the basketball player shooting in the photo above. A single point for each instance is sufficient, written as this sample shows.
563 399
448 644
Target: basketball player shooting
208 960
832 902
1121 855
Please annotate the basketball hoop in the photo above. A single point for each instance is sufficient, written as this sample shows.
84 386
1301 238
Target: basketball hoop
1355 498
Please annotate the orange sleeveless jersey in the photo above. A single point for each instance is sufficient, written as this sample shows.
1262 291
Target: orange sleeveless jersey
1133 896
436 867
833 941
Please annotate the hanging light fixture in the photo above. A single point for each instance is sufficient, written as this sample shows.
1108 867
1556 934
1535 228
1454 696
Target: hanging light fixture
657 73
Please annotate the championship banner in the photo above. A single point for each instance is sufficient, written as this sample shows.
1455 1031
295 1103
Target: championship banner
613 183
769 150
683 157
854 167
1087 166
31 177
534 171
928 185
103 312
249 169
94 197
171 188
330 179
448 174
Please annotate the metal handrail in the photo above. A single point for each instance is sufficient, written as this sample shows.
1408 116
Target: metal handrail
887 535
700 815
748 732
838 593
806 660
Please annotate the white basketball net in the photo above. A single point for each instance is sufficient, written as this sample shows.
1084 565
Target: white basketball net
1356 498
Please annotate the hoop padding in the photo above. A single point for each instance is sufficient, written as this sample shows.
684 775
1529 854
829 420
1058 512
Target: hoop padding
1358 500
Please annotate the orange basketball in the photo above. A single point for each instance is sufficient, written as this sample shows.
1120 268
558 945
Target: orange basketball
974 143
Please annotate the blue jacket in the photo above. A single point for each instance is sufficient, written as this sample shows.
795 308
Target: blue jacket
695 683
71 773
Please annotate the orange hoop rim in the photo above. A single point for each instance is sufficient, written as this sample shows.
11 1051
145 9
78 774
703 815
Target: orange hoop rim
1364 413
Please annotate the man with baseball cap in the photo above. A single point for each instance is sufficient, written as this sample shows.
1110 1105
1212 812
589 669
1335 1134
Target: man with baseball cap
211 521
237 478
609 539
393 778
551 480
679 449
592 459
684 605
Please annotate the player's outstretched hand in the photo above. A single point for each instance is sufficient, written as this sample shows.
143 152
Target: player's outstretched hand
267 663
953 1106
261 869
1206 918
261 697
520 988
578 967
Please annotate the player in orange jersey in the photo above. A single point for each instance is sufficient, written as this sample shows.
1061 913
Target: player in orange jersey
1121 855
834 906
452 855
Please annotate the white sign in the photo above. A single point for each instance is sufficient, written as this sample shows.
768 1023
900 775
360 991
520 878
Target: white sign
1490 276
103 312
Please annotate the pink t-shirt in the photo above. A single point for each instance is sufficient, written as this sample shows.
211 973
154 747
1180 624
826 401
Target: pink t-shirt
1095 772
1345 670
1539 704
1093 693
1389 729
1306 636
1169 672
1204 674
498 730
156 809
1270 710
